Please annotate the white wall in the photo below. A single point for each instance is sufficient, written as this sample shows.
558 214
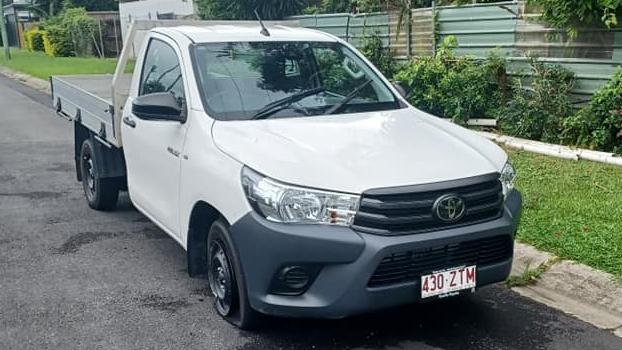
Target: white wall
148 9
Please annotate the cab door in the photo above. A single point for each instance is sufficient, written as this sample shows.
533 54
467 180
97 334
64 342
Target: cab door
152 147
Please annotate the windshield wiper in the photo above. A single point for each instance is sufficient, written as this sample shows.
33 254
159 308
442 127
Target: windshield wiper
336 108
273 107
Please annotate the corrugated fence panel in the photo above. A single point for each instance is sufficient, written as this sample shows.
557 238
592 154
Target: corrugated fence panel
352 28
364 25
335 24
617 53
480 28
422 38
398 40
590 75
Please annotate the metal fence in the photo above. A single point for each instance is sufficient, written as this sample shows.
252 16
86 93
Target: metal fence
507 28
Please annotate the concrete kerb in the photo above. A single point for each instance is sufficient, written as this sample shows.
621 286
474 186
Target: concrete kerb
588 294
35 83
553 150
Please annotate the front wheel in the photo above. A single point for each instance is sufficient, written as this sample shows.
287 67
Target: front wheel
226 279
101 193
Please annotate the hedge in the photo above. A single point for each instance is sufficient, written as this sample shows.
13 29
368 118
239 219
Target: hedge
34 39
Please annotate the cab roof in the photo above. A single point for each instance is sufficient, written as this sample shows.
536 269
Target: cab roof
248 32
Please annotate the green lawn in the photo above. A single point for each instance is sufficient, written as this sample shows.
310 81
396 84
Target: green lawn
42 66
572 209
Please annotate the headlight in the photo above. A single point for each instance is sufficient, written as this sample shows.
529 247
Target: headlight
291 204
508 174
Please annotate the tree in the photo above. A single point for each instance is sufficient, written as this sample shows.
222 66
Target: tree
244 9
97 5
49 8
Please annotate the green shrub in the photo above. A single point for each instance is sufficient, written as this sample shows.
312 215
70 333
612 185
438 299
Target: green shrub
599 124
59 41
538 113
34 39
70 33
379 55
454 87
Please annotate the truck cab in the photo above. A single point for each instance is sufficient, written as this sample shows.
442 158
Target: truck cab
299 180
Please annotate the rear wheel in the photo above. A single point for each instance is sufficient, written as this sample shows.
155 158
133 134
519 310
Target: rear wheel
226 280
101 193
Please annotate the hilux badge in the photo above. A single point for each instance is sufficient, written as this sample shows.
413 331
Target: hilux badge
449 208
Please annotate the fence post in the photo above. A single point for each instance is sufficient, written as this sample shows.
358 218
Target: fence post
101 39
409 30
116 35
348 28
5 37
434 28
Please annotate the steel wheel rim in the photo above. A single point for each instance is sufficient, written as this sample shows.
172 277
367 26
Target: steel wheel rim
220 277
89 171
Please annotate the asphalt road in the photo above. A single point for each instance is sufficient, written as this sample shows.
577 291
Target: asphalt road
74 278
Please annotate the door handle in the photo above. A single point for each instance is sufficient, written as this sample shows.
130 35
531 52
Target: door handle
129 122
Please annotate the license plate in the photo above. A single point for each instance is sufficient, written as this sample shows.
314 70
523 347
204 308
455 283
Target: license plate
448 282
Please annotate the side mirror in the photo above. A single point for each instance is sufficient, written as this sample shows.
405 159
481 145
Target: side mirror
400 89
159 106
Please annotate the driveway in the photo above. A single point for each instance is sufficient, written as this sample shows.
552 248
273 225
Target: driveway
74 278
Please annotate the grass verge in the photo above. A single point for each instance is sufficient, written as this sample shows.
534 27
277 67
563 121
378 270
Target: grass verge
572 209
39 65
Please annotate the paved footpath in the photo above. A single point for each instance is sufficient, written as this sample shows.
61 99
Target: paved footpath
73 278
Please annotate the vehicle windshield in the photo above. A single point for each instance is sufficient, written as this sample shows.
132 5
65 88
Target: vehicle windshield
258 80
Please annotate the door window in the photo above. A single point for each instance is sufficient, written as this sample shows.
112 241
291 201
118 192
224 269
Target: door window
161 71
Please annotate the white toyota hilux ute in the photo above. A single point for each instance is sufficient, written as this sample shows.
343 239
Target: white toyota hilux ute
297 178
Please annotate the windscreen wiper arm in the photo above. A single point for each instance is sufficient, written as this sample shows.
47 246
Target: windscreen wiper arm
336 108
273 107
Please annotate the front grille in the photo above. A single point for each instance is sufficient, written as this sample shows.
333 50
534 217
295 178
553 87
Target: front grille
409 210
409 266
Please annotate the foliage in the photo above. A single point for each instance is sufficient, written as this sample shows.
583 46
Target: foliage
538 113
244 9
70 33
34 39
365 6
48 47
379 55
572 14
530 276
335 6
49 8
58 40
434 83
599 124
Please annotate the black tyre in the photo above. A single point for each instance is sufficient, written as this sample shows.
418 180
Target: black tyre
226 279
101 193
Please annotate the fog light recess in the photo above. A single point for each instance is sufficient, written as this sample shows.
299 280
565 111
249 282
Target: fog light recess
293 279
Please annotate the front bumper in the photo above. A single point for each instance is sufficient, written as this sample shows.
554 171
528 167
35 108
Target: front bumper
349 259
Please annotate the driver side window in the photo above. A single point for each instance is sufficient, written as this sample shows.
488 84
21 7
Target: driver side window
161 71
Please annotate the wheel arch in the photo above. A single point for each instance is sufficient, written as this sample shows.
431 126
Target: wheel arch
110 160
202 216
80 134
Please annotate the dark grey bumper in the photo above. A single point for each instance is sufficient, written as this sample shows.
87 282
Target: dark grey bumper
348 258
